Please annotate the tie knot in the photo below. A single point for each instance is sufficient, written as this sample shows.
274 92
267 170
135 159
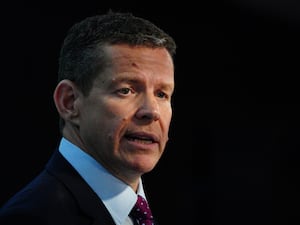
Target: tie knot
141 212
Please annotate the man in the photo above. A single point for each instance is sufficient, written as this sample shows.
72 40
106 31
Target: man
116 79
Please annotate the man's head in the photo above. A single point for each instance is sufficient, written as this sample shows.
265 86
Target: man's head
116 80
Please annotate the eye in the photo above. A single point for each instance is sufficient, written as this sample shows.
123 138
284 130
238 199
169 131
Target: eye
161 94
125 91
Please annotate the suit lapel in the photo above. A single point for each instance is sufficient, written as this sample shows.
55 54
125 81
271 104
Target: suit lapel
88 201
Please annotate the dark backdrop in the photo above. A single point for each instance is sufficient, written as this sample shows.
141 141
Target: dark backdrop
233 156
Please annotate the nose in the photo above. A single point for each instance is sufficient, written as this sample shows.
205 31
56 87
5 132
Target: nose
149 109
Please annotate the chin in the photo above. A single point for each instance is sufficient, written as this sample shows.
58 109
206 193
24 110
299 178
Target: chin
144 166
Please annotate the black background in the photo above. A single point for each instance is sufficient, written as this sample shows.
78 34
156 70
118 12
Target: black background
233 155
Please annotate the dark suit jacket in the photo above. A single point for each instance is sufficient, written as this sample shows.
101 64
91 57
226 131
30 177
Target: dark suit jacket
57 196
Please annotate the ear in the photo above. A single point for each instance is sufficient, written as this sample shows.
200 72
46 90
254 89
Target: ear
65 96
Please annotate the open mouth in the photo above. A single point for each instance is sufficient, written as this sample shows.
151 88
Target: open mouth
141 137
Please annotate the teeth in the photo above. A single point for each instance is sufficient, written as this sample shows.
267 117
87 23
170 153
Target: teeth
143 141
140 140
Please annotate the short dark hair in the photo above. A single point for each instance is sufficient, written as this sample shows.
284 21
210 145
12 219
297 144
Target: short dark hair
81 56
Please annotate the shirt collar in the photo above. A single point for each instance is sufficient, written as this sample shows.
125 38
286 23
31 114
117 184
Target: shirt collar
118 197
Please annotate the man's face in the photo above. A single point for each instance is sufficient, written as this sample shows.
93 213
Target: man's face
124 121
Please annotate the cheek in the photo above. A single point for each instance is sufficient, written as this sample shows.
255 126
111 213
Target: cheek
116 109
113 127
167 117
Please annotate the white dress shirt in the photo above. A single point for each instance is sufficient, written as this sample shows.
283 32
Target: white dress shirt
117 196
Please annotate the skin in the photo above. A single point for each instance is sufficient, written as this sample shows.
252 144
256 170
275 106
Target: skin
124 121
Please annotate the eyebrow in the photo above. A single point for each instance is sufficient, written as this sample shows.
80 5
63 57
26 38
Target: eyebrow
126 79
136 80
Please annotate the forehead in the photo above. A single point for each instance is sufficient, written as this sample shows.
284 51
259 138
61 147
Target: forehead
155 63
135 56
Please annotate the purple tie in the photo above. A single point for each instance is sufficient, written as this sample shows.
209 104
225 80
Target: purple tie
141 212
